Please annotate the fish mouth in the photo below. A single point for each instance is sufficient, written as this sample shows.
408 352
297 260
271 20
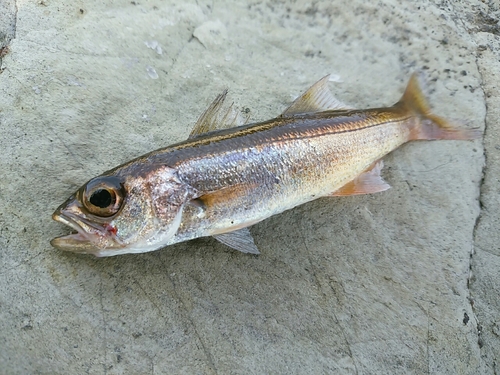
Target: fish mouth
79 241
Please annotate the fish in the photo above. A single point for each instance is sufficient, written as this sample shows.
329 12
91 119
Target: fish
228 176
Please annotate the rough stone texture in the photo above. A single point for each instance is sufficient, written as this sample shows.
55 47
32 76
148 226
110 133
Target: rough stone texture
8 18
362 285
485 280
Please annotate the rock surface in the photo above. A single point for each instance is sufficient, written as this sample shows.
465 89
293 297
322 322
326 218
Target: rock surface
402 282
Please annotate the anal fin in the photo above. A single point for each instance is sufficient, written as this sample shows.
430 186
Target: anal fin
240 240
367 182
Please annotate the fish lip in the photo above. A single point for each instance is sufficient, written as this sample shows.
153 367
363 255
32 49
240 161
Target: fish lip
72 220
67 220
62 242
81 238
83 241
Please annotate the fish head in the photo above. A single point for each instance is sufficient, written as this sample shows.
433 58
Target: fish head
115 215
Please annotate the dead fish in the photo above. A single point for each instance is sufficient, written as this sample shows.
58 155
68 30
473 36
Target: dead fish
219 182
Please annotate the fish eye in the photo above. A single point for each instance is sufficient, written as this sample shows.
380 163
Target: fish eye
103 196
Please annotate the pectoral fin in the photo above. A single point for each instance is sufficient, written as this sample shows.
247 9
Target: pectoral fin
317 98
221 197
367 182
240 240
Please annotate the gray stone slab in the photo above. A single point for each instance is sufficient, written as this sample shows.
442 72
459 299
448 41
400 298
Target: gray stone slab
360 285
485 280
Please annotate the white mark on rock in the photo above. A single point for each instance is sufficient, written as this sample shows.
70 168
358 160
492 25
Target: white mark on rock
154 45
152 72
163 22
37 90
335 78
73 81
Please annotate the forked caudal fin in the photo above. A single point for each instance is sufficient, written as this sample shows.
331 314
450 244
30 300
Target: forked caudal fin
430 126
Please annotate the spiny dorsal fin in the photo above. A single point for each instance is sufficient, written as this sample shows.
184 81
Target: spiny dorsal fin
316 99
240 240
368 182
217 117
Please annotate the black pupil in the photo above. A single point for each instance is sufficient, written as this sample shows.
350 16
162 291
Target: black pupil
101 198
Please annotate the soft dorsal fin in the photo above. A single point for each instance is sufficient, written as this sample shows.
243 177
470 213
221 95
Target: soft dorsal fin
368 182
240 240
317 98
217 117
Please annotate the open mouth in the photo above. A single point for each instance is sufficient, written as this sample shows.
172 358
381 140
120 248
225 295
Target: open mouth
78 241
57 216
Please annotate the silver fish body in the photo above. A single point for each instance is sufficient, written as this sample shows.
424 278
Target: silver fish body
250 178
220 182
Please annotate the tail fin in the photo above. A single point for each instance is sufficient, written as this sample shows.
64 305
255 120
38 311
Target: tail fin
429 126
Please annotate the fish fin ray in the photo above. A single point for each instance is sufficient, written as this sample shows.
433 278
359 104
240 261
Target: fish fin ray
219 197
240 240
368 182
429 126
217 117
316 99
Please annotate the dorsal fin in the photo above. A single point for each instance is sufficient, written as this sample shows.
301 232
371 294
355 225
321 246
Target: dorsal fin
217 117
316 99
